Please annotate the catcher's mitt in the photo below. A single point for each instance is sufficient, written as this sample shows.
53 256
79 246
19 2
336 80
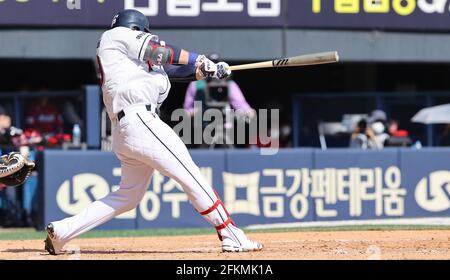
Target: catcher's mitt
14 169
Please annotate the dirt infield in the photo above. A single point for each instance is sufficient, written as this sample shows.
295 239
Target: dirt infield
399 244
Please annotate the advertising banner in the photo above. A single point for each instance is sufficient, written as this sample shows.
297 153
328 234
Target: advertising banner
334 14
162 13
429 172
292 186
370 14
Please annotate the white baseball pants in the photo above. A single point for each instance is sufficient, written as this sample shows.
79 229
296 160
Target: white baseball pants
144 143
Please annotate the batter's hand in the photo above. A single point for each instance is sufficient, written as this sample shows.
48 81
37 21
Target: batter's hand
223 70
206 68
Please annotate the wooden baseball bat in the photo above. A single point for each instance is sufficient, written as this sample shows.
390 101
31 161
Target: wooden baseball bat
302 60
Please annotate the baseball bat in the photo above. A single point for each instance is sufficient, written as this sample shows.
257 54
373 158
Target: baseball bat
302 60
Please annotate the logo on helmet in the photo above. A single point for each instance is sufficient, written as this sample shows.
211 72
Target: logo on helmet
114 20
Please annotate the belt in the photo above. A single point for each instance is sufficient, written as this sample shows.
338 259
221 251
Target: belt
150 108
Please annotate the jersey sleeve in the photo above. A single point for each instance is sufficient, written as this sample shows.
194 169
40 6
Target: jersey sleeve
130 42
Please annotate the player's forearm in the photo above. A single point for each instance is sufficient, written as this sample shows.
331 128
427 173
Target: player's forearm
187 57
183 73
184 57
160 53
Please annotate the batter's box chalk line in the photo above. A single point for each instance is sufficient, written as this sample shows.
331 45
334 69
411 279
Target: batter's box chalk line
374 252
70 252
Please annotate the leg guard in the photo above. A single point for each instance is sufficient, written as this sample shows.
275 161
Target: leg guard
218 216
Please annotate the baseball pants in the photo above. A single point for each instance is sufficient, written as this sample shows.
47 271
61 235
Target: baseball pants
144 143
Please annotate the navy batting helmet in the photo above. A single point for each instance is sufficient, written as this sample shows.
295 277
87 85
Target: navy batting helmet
132 19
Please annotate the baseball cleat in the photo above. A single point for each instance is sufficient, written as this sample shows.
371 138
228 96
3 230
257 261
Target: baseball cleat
235 240
250 246
52 245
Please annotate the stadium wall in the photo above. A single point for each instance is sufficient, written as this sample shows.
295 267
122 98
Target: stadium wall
293 186
241 44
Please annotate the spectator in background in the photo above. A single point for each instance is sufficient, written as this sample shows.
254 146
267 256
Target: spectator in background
221 95
5 125
44 119
445 137
397 136
5 120
359 138
394 129
377 129
286 135
197 91
369 133
10 135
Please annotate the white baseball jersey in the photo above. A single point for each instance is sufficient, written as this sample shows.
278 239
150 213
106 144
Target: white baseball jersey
127 78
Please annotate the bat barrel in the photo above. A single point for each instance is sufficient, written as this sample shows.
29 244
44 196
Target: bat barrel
308 59
302 60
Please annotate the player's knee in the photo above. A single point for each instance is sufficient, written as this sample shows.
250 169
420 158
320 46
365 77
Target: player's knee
125 208
125 201
130 205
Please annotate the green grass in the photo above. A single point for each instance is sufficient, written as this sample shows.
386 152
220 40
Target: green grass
31 234
356 228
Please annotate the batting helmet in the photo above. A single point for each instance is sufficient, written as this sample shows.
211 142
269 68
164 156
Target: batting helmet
132 19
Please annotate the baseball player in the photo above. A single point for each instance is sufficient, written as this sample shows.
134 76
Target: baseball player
136 69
